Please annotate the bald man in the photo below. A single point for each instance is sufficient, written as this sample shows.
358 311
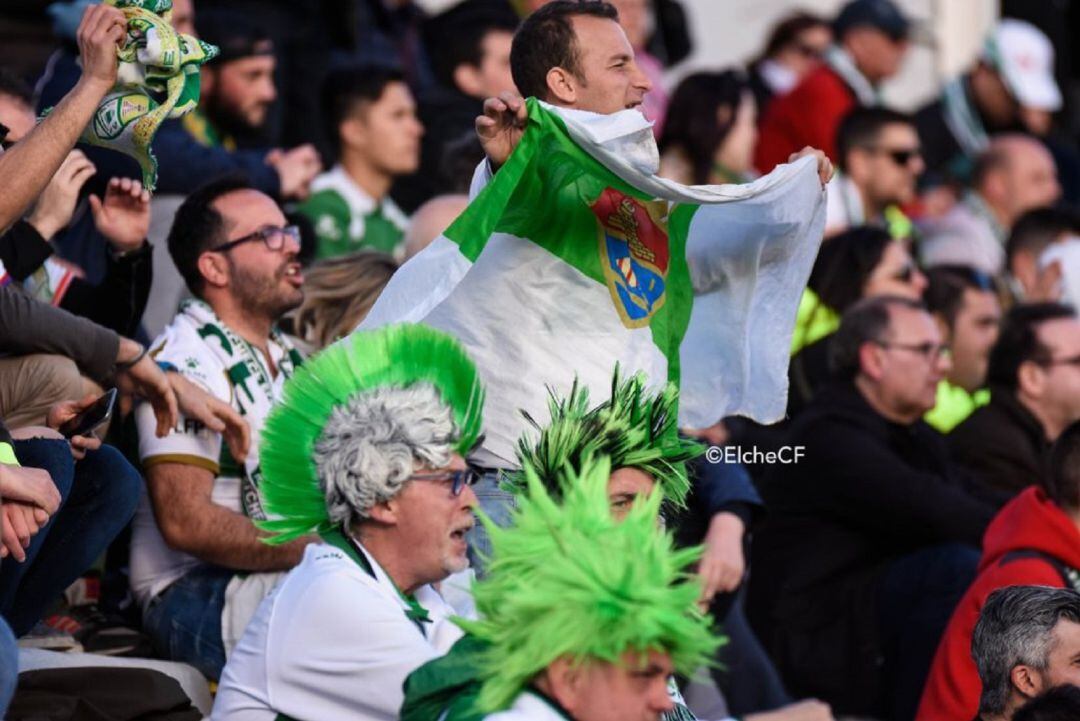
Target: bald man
1014 174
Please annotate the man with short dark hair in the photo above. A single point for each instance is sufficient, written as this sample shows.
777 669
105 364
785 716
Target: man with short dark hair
199 567
470 49
1035 540
1034 379
1025 643
965 304
879 158
854 616
371 119
1015 174
871 41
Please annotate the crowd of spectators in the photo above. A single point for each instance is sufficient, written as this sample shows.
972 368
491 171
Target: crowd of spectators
919 560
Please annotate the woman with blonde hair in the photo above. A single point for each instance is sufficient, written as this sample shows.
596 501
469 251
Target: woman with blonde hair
338 293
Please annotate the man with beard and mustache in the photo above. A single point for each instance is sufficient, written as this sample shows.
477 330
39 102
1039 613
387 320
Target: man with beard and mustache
236 95
198 565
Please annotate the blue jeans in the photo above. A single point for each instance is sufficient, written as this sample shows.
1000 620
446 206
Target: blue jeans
98 498
184 621
498 505
9 666
916 599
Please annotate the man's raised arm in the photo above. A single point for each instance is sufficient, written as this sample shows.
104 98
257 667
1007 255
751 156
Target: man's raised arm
28 166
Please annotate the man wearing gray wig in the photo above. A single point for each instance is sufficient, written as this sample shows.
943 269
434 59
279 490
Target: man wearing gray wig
1027 641
366 451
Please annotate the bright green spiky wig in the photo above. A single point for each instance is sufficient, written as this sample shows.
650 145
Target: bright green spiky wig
634 428
568 580
393 356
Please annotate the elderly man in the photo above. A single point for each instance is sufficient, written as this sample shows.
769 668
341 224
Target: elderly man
1013 175
366 451
1026 642
895 525
635 431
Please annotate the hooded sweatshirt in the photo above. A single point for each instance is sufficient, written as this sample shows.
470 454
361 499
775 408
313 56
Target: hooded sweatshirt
1017 551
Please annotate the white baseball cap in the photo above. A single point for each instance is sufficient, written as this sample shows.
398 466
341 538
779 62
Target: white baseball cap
1024 58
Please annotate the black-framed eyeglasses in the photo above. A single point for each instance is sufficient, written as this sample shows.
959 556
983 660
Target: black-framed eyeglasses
460 479
1073 361
273 237
929 351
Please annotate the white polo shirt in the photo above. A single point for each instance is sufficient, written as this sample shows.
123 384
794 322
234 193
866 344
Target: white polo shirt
332 641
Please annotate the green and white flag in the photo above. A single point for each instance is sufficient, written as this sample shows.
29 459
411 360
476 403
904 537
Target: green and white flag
576 256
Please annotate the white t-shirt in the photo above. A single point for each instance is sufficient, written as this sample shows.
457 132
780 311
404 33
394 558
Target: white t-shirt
331 642
528 707
209 354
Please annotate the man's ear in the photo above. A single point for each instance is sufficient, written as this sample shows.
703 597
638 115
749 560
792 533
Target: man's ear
1031 379
467 79
564 680
353 132
562 86
214 269
385 512
870 361
1025 681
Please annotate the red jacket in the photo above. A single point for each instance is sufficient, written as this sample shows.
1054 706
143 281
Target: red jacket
808 115
1029 522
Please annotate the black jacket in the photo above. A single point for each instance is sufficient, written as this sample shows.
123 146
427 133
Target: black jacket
1003 444
867 492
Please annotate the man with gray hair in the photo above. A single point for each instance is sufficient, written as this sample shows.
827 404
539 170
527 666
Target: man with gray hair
1027 641
366 450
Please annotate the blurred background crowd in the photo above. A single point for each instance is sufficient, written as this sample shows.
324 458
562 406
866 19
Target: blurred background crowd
932 414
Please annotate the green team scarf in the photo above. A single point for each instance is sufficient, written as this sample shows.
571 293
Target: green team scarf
158 79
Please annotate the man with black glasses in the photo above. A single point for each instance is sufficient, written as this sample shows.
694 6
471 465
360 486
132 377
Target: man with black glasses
879 158
198 566
1034 378
873 536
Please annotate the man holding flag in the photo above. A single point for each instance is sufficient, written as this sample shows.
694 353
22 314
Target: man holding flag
575 255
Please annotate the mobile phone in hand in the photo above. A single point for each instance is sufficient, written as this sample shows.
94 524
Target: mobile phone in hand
92 417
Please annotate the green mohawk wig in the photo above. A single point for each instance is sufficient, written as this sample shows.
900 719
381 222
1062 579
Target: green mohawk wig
393 356
568 580
634 428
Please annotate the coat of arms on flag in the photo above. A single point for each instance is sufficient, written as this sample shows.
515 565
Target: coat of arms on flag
634 248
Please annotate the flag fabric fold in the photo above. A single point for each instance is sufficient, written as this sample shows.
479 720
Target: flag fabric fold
576 256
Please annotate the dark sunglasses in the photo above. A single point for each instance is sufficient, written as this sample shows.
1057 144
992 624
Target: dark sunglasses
273 238
903 158
460 479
